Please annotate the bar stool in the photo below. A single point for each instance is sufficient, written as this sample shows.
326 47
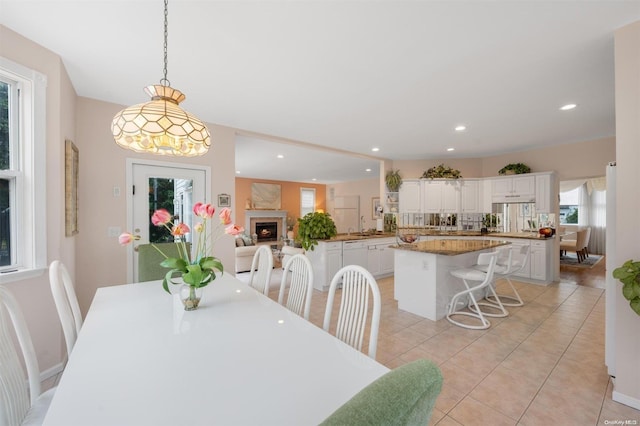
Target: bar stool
472 274
515 266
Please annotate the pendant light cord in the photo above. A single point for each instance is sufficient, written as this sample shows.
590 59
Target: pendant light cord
164 80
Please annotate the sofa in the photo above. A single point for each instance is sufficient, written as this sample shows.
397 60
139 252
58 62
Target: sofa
287 253
245 249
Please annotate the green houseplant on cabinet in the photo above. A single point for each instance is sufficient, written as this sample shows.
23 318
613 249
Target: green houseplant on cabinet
313 227
514 169
442 171
393 180
629 275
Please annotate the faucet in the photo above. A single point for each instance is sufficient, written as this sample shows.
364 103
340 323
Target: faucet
349 231
362 223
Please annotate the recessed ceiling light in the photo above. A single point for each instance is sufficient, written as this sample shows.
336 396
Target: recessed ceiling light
567 107
375 149
237 172
451 149
460 128
367 170
314 179
280 156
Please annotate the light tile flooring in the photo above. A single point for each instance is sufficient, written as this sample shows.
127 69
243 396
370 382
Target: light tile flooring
542 365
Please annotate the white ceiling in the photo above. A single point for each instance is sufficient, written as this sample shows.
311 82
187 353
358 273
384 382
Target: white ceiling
350 75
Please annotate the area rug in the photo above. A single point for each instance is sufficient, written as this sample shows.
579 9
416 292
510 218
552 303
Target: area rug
572 260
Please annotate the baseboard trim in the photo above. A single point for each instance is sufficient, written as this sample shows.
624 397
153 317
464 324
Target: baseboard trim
52 371
626 400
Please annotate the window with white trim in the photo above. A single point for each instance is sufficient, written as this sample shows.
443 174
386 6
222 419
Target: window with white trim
307 201
22 172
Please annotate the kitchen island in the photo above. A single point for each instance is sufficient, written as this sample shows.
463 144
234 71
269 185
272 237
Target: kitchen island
423 282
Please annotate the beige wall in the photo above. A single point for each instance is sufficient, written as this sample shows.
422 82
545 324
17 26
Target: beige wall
627 325
34 294
365 189
101 260
569 161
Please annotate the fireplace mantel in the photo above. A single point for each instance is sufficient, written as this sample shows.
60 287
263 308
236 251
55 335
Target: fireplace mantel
252 215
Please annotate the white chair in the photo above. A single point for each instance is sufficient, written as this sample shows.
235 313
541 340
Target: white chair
66 302
299 268
515 266
472 274
20 400
576 245
357 284
261 267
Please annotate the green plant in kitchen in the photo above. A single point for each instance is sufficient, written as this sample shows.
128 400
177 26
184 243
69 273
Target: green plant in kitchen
490 221
313 227
393 180
514 169
442 171
629 275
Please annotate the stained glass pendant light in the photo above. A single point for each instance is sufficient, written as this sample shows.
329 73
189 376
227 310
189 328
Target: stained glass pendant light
160 126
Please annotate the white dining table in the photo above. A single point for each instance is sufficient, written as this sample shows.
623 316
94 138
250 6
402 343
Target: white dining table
240 359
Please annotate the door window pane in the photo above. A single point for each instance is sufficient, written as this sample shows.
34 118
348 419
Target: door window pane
173 195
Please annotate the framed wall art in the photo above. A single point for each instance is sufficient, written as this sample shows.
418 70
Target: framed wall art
376 208
71 162
224 200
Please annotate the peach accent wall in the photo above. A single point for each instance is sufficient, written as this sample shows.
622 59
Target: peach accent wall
34 295
627 323
290 196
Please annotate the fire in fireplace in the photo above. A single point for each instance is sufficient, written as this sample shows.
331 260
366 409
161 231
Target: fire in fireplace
267 231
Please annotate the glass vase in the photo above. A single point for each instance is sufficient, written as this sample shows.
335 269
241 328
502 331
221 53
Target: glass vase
190 297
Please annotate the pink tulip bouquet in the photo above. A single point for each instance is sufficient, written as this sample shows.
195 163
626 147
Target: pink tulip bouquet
197 269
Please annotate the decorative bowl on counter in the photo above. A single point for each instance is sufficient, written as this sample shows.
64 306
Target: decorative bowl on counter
407 238
546 232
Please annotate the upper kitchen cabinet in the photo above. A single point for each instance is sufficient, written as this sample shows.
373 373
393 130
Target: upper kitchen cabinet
513 189
471 195
440 196
410 196
545 192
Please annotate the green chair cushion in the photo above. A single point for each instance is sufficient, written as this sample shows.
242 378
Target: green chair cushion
149 259
404 396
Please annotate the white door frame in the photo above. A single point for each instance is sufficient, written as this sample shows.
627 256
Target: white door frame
130 162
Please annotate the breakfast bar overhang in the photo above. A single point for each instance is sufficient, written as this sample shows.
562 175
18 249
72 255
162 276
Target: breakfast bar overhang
423 282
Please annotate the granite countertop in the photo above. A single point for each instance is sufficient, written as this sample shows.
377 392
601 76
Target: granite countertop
450 247
470 233
361 236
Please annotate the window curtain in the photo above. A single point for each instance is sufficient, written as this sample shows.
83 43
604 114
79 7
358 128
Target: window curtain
598 222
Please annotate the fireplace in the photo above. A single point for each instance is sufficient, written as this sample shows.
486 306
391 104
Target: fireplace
267 231
266 225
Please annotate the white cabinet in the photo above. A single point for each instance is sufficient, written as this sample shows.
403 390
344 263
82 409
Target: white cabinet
326 260
545 193
380 256
513 189
470 196
410 197
440 196
540 264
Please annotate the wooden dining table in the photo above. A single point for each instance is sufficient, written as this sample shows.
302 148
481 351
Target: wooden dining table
240 359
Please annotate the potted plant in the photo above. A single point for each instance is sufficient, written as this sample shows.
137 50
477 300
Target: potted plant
442 171
629 275
313 227
514 169
393 180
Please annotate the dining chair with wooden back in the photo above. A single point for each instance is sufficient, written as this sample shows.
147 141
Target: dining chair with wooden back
261 268
66 303
585 249
404 396
358 287
21 401
299 272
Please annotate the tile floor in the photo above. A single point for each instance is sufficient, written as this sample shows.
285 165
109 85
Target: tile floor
542 365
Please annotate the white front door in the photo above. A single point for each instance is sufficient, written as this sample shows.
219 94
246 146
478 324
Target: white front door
155 185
